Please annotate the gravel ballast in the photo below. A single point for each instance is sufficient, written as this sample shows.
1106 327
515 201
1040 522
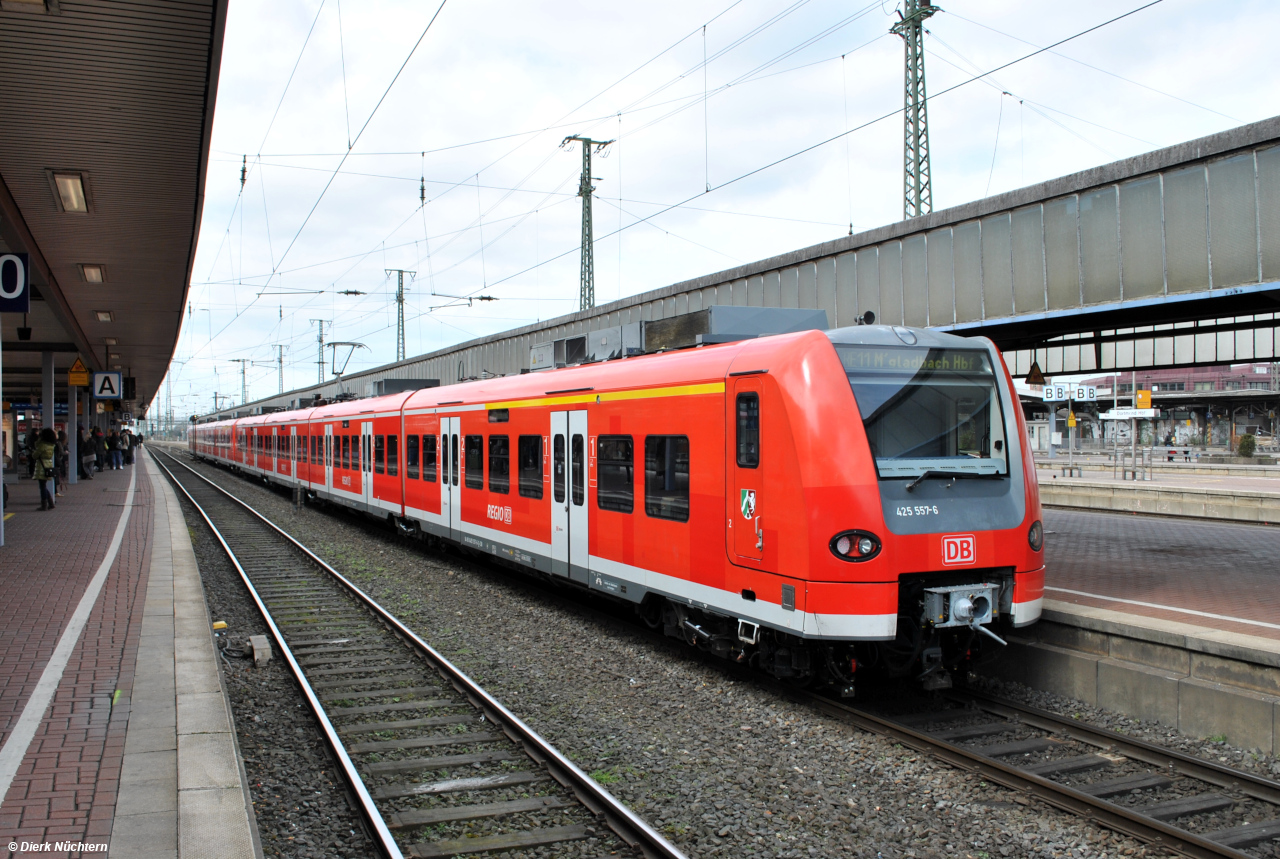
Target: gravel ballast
299 798
720 765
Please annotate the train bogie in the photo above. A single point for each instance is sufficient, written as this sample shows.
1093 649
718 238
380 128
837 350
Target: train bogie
809 502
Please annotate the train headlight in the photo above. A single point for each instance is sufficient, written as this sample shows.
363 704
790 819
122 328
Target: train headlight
855 545
1035 536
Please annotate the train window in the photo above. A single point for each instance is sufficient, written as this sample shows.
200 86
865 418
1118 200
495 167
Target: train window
475 462
928 410
748 430
666 477
429 458
455 459
499 463
393 455
578 470
557 470
411 457
499 416
379 454
530 453
615 473
346 452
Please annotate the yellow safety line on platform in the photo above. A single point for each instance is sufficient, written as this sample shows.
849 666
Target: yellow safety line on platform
8 516
612 396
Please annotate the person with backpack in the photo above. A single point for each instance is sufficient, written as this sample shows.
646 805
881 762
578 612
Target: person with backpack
45 466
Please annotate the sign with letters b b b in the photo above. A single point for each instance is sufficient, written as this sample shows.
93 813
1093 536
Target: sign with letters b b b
106 386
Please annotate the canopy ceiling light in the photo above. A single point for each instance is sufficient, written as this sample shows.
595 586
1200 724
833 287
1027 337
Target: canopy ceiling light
71 192
93 273
104 315
110 341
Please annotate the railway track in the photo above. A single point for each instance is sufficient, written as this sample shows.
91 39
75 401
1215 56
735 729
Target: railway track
438 767
1164 797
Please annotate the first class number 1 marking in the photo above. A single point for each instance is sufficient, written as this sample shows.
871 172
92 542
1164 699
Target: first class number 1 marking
919 510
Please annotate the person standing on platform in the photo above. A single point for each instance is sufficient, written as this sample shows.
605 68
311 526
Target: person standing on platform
126 449
100 449
45 467
85 449
32 438
60 465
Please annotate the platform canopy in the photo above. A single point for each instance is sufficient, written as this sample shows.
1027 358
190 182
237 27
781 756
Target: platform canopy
106 111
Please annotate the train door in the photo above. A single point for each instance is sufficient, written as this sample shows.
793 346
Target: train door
747 529
449 478
569 546
293 451
327 455
366 463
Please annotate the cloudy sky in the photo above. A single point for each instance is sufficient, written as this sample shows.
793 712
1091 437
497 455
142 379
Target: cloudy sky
346 115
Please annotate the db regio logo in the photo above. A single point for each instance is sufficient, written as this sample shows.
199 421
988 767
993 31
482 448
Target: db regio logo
500 514
959 550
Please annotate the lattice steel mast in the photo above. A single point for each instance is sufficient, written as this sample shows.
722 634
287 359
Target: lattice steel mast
587 278
917 195
400 273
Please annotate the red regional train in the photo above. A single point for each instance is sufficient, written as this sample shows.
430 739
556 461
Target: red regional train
813 503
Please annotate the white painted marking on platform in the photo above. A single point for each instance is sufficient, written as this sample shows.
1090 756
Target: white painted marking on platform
1167 608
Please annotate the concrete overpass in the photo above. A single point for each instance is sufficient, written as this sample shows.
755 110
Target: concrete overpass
1171 258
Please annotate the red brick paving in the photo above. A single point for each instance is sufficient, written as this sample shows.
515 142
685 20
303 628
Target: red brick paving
1216 567
66 787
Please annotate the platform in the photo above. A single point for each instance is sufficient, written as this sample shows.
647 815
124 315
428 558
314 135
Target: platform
1199 492
1165 619
114 725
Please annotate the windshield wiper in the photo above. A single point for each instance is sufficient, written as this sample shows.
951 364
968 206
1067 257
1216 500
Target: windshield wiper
954 475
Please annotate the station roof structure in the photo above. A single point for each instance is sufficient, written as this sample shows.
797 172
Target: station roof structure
107 111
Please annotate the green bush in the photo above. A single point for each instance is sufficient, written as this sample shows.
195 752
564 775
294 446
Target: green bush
1248 444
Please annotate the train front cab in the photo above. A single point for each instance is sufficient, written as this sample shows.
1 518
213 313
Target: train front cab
928 508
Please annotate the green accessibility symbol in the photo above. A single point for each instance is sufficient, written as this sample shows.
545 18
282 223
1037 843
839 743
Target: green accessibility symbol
748 503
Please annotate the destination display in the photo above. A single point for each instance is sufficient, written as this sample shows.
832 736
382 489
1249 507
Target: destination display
893 359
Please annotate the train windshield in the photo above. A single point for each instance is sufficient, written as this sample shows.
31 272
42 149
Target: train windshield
928 410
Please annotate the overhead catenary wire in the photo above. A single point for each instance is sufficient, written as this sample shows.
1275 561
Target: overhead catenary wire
276 264
954 14
976 77
278 269
861 126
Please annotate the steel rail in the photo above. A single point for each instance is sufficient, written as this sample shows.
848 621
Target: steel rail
1060 796
367 807
625 824
1214 773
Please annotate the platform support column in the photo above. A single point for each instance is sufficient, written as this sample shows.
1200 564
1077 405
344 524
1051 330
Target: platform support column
46 393
73 436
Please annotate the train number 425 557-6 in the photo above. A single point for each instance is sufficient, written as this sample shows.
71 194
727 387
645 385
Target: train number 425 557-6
919 510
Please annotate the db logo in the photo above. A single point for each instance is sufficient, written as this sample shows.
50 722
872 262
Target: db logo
959 550
500 514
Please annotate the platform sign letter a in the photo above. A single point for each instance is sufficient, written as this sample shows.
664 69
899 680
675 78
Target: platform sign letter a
106 386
